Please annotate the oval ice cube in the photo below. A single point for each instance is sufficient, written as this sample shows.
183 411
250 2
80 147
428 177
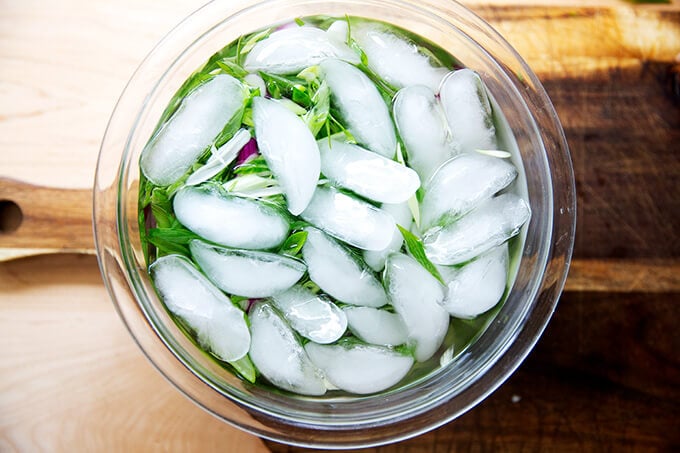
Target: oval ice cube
310 315
460 184
422 126
192 128
359 368
332 267
361 106
246 273
351 220
279 356
401 213
290 150
376 326
416 296
231 221
219 325
478 285
468 111
366 173
291 50
489 225
395 58
220 159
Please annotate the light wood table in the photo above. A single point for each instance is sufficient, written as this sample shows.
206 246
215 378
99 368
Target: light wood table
604 377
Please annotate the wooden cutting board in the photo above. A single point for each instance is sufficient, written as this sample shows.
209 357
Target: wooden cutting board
604 376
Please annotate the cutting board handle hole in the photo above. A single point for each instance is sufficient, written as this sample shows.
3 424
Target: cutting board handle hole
10 216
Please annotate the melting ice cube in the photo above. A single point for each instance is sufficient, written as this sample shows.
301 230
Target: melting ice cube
359 368
468 111
219 325
351 220
478 285
290 150
416 296
279 356
461 183
422 126
339 274
401 213
291 50
396 59
310 315
192 128
489 225
366 173
376 326
361 106
247 273
231 221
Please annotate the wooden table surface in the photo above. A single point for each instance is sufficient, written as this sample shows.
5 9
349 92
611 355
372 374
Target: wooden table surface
605 376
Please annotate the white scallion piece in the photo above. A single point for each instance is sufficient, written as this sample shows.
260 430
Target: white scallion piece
247 273
220 159
487 226
279 356
228 220
199 119
361 106
290 150
293 49
310 315
359 368
416 296
349 219
219 325
331 266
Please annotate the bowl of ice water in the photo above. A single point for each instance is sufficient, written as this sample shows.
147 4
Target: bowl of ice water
334 224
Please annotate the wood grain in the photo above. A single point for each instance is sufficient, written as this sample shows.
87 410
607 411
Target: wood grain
72 379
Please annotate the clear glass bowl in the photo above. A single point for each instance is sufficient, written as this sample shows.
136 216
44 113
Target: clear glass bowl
350 421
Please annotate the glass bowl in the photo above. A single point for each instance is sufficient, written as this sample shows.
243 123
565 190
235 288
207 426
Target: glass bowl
358 421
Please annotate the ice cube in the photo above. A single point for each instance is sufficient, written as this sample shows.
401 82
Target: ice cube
396 59
351 220
376 326
361 106
220 159
338 31
279 356
246 273
192 128
422 126
359 368
468 111
402 216
291 50
366 173
416 296
332 267
219 325
489 225
310 315
228 220
461 183
290 150
478 285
